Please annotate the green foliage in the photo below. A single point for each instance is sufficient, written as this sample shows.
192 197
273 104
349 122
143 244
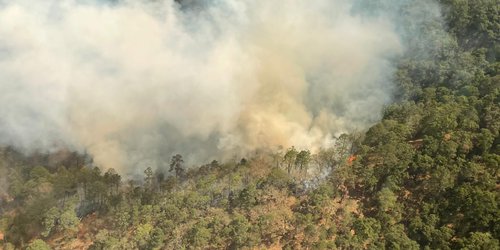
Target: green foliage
302 160
148 177
61 219
38 245
176 165
278 178
367 232
142 235
238 231
199 235
104 240
480 241
290 158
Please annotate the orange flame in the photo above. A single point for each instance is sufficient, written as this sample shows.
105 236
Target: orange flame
351 159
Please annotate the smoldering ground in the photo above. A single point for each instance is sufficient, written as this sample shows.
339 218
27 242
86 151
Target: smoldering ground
133 82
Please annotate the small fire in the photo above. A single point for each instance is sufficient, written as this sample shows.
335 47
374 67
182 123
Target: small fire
351 159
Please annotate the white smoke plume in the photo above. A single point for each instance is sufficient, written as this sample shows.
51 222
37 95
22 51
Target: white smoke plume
134 82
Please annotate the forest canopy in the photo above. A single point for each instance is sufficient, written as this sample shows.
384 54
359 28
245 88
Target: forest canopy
426 176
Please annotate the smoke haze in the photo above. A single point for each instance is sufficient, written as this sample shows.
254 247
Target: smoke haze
134 82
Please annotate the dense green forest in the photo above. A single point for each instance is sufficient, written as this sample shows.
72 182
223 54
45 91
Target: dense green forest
425 177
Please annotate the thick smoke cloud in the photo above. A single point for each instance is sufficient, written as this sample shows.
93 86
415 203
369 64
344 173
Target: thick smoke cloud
134 82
